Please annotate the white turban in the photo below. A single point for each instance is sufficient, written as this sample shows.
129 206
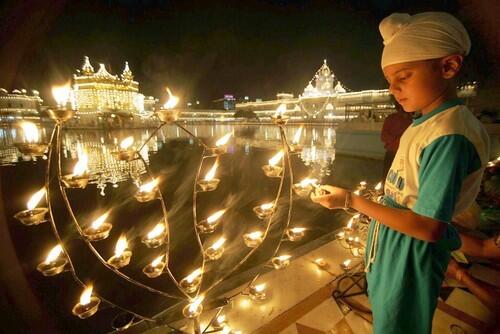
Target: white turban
422 36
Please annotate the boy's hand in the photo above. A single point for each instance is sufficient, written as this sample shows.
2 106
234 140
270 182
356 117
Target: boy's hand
330 197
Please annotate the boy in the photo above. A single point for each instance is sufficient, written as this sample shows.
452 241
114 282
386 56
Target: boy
435 174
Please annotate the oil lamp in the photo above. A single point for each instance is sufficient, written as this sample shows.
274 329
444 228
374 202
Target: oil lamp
54 262
272 170
191 282
99 229
321 263
280 262
209 183
122 254
147 192
346 265
167 113
215 251
62 96
257 292
220 144
194 308
378 189
295 234
219 322
126 151
264 211
155 268
253 239
156 237
80 176
349 228
88 304
34 215
31 144
295 146
279 117
304 187
210 224
340 235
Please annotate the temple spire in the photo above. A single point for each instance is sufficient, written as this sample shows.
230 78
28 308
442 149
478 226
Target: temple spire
127 73
87 68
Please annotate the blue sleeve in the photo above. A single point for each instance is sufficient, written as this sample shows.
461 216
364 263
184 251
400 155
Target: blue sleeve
444 164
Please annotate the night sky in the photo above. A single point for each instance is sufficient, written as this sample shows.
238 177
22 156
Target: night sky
204 49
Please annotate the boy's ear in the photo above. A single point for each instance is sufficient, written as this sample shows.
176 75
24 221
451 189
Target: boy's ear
451 65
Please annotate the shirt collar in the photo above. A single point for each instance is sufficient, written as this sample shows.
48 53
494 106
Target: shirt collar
445 105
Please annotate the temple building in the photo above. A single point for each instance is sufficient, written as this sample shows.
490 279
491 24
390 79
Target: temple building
19 104
100 92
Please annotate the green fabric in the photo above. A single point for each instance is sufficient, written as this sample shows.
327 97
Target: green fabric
444 164
442 107
405 279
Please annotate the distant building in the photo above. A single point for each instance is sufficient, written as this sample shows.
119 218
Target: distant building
101 92
19 105
228 102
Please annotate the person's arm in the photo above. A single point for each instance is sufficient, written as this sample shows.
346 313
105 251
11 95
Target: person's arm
480 248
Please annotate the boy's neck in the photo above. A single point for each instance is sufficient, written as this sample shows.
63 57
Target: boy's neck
448 94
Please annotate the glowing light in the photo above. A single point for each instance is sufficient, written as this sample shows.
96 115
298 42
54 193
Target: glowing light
305 182
156 231
281 109
223 140
274 160
284 257
320 262
53 254
31 132
260 287
126 143
99 221
211 173
219 243
193 307
86 294
216 216
297 229
172 100
81 165
157 261
61 94
121 246
35 199
255 235
346 263
378 186
349 224
362 183
191 277
267 206
148 187
297 135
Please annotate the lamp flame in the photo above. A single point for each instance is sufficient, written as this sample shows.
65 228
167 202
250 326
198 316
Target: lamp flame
216 216
298 229
99 221
195 304
346 263
35 199
218 244
86 294
126 143
191 277
362 183
297 135
223 140
156 231
284 257
61 94
305 182
349 224
267 206
53 254
172 100
260 287
157 261
274 160
81 165
281 109
148 187
211 173
378 186
31 132
255 235
121 245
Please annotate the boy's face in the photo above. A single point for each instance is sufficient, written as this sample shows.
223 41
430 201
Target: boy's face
416 85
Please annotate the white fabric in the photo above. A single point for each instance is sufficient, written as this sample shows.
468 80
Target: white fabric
423 36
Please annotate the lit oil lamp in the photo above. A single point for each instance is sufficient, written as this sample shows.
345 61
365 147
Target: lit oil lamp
219 322
280 262
378 189
126 151
304 187
62 96
147 192
155 268
361 188
264 211
193 309
34 215
220 144
279 117
215 251
54 262
253 239
349 228
340 235
122 254
346 265
210 224
191 282
272 170
31 144
257 292
295 146
209 183
80 176
99 229
167 113
321 263
156 237
295 234
88 304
